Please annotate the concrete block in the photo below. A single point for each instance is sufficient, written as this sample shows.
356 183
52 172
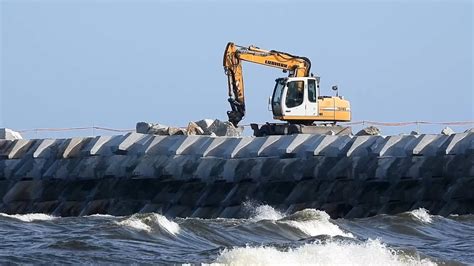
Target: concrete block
308 146
336 146
90 167
228 148
95 207
178 211
249 148
210 169
433 145
361 145
106 145
181 167
165 145
220 146
275 146
133 141
383 167
189 193
75 146
27 190
460 143
207 212
5 148
33 168
153 166
232 212
69 208
240 192
389 141
20 147
46 148
192 145
9 167
120 165
298 140
399 147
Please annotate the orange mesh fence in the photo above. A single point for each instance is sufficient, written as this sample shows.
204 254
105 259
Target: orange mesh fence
364 122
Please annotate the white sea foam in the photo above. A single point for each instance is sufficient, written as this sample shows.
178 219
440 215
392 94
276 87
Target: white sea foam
30 217
372 252
150 222
101 215
265 212
313 223
422 215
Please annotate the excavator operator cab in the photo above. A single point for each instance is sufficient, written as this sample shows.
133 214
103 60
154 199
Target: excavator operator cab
295 98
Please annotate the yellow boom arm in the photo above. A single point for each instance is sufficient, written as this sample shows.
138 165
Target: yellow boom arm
296 66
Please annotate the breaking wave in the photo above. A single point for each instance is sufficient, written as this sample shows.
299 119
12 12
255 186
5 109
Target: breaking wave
150 222
314 223
31 217
421 215
371 252
264 212
267 236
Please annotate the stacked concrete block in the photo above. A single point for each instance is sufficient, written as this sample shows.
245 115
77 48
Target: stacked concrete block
208 176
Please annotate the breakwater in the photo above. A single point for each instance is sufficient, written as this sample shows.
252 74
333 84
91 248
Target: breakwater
205 176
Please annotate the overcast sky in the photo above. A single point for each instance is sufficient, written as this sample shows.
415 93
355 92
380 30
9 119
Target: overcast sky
110 63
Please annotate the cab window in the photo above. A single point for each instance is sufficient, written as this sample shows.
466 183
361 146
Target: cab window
295 94
312 90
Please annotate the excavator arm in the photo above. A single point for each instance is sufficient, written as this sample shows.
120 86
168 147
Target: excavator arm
296 66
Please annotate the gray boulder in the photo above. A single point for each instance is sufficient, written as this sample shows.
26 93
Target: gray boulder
447 131
204 124
194 129
149 128
369 131
8 134
220 128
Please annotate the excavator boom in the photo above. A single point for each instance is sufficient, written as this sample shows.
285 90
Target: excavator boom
295 99
296 66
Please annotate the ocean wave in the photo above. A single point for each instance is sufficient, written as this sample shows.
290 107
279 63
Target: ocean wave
150 222
30 217
421 215
314 223
371 252
98 215
265 212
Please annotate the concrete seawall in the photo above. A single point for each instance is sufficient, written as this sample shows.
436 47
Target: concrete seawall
203 176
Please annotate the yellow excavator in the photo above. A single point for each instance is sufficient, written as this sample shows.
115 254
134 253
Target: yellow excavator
296 99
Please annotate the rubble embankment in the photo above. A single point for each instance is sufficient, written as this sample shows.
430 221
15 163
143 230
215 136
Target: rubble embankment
208 176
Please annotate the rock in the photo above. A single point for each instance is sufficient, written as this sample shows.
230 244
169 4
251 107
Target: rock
226 128
8 134
204 124
369 131
202 127
156 129
172 131
142 127
447 131
194 129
